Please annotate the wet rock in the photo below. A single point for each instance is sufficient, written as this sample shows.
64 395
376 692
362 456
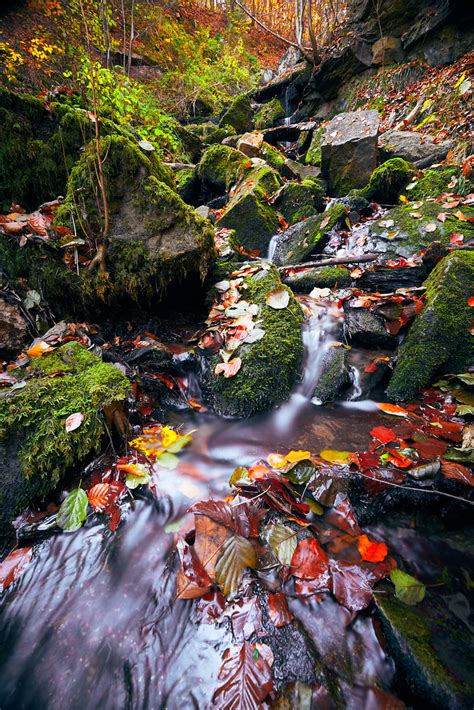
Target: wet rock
270 365
239 115
438 341
297 201
248 211
387 50
219 168
188 185
313 156
300 241
156 240
300 171
349 150
411 146
368 369
250 143
385 280
431 649
334 378
367 328
338 69
332 277
404 231
13 327
388 181
35 448
268 114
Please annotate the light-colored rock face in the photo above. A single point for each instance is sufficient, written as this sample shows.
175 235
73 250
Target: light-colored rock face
410 146
13 327
387 50
250 143
349 150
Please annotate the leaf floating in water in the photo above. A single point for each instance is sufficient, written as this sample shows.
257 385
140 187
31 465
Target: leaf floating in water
14 564
73 510
408 589
392 409
278 299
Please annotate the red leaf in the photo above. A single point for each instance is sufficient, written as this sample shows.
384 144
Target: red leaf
309 561
370 550
38 223
470 301
351 585
456 238
99 496
457 472
245 679
14 564
383 434
229 369
13 227
278 610
193 580
210 607
246 618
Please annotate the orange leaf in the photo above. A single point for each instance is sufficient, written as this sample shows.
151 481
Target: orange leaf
229 369
99 496
470 301
13 565
370 550
39 349
392 409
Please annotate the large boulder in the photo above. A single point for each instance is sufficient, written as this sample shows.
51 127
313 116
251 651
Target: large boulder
349 150
387 50
248 212
36 450
411 146
311 235
250 143
219 168
268 114
440 338
388 181
155 239
239 115
297 201
304 281
270 365
334 377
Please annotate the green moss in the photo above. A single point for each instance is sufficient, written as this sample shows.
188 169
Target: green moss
220 167
248 211
334 376
269 366
410 641
304 238
313 156
297 201
35 416
332 277
433 183
209 134
387 181
272 156
187 185
239 115
269 113
439 339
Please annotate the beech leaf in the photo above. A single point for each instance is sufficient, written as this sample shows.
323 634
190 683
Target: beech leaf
73 510
13 565
278 298
74 421
283 541
245 678
408 589
237 554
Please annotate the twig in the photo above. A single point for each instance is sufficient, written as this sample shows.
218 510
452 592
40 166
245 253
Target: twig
411 116
330 262
416 490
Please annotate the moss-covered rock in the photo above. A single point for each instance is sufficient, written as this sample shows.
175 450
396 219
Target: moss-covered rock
248 212
239 115
387 181
274 158
332 277
300 241
208 133
188 185
269 366
431 651
297 201
439 339
334 377
155 239
405 231
269 113
434 183
313 156
35 448
220 167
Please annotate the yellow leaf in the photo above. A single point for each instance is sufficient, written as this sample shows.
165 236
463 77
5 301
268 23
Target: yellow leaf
337 457
39 349
404 200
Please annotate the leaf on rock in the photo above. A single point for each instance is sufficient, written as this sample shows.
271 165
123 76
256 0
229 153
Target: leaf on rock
245 617
392 409
351 585
210 539
408 589
14 564
245 679
229 369
279 298
73 510
38 349
192 580
337 457
278 610
99 496
383 434
370 550
74 421
237 555
309 561
283 541
457 472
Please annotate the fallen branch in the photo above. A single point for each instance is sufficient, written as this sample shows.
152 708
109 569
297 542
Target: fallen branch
411 116
330 262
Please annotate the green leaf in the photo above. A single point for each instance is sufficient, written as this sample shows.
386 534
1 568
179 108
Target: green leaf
167 460
179 444
237 554
464 409
133 482
301 473
73 510
408 589
462 455
283 541
240 476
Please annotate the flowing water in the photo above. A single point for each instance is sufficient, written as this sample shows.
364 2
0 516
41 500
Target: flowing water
93 621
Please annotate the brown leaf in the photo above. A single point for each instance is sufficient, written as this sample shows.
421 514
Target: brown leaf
98 496
278 610
457 472
210 538
245 679
351 585
230 369
192 580
237 555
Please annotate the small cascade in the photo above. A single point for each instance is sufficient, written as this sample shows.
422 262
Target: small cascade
272 247
356 390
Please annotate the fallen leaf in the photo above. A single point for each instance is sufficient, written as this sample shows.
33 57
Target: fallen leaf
456 238
337 457
14 564
309 561
38 349
237 555
408 589
283 541
370 550
394 409
278 610
245 679
430 227
457 472
229 369
73 510
74 421
351 585
278 299
98 496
